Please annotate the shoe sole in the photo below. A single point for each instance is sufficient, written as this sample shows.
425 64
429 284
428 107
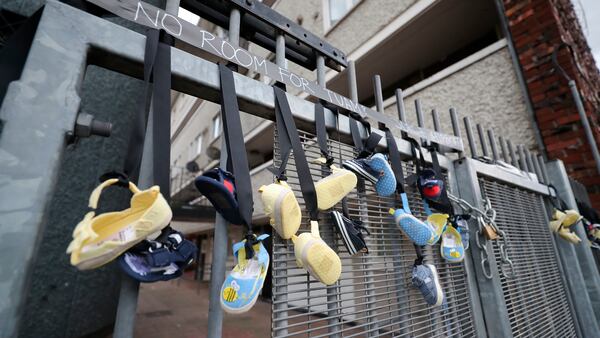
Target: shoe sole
322 262
438 288
360 171
332 189
288 205
342 228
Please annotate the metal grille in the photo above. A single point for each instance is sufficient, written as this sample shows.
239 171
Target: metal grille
536 298
374 296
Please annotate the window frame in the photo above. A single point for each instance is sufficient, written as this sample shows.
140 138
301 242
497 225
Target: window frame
327 25
216 132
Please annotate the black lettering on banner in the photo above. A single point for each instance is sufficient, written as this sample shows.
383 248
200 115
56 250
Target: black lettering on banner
153 17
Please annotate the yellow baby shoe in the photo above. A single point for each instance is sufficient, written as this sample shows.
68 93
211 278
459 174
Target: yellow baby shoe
569 236
316 256
558 218
97 240
282 207
333 188
571 217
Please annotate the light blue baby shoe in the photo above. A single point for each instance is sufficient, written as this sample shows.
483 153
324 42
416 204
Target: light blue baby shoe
242 287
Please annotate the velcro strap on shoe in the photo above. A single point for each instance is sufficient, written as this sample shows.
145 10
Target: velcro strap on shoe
364 148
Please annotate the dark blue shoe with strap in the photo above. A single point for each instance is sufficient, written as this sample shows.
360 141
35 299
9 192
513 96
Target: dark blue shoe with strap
162 259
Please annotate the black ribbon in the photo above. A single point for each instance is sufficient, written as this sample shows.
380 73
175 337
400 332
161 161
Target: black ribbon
322 133
237 160
289 139
367 147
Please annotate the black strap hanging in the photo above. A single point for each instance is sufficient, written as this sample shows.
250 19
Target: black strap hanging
322 133
288 135
237 161
367 147
135 149
443 203
395 161
396 164
161 110
557 202
157 67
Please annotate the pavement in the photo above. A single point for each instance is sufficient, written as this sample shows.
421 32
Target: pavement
179 308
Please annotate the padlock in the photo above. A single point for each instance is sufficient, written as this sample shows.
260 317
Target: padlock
489 232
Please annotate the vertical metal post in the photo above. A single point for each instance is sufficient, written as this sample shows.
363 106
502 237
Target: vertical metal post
419 113
129 291
400 105
538 169
399 275
219 259
470 138
455 127
454 120
280 326
280 50
378 96
577 260
522 159
492 139
481 134
543 169
504 150
528 159
172 7
586 124
321 70
513 156
490 290
436 120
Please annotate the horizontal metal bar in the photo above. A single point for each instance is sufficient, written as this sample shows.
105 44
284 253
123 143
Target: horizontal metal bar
508 176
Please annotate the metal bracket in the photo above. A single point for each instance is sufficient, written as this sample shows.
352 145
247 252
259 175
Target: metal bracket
260 24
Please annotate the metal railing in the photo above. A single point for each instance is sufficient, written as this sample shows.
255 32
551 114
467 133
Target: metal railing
535 296
374 296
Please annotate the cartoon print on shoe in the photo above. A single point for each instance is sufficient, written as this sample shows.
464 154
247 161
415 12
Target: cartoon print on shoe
243 285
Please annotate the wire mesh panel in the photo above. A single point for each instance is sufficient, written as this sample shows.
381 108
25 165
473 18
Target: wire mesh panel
374 296
536 298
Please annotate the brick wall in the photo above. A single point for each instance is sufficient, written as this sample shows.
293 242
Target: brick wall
539 27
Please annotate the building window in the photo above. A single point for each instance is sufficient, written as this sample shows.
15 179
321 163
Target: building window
335 10
192 150
199 144
216 126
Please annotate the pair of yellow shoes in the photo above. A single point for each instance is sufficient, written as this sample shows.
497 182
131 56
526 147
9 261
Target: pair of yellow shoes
561 223
99 239
283 208
285 216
